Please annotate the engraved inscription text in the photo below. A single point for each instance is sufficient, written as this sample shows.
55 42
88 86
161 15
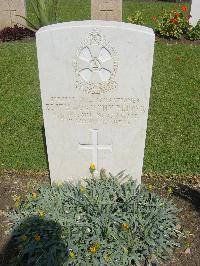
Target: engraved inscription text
89 110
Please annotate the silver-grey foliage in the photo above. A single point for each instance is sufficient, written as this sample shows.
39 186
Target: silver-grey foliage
104 222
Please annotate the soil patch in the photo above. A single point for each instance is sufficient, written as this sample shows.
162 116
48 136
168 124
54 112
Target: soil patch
173 41
11 185
16 33
185 194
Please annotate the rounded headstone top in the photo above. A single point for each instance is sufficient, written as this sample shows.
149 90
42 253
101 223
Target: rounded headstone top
97 23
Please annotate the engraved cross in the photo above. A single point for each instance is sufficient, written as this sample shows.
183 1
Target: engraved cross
95 147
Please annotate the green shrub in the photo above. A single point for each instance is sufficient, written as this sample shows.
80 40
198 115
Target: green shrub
45 11
173 24
193 33
136 18
103 222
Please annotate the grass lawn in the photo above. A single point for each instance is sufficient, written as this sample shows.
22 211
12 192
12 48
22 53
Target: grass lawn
173 128
80 9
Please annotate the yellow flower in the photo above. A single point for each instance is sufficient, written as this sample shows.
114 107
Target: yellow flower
92 167
82 189
169 190
37 237
23 237
106 258
59 183
125 226
93 249
17 201
125 250
149 187
72 254
17 198
34 195
41 213
17 204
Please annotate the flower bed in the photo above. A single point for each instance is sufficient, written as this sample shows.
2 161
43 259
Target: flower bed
173 24
103 222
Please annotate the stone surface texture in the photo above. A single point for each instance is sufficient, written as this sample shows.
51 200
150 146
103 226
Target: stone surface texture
95 79
195 12
8 11
106 10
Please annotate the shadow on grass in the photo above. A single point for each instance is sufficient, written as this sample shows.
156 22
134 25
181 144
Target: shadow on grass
189 194
36 241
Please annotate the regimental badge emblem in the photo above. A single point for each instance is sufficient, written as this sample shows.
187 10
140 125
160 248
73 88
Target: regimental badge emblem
95 65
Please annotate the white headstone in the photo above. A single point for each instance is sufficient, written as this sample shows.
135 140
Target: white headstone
106 10
195 12
9 11
95 79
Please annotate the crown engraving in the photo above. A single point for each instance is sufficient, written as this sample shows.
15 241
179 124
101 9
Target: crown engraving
96 65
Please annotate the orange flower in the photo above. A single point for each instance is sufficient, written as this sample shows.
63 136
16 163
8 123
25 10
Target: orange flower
184 8
37 237
173 20
93 249
125 226
177 14
154 18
